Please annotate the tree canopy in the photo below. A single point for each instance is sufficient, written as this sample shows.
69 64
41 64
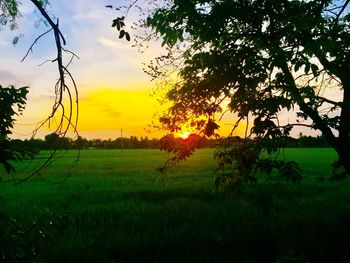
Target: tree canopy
257 59
12 102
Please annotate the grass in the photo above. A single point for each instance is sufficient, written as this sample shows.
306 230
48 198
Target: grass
111 209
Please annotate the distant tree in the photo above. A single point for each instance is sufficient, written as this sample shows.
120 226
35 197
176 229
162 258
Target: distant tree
260 58
80 143
55 142
309 141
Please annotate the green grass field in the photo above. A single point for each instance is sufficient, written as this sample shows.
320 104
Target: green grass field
111 209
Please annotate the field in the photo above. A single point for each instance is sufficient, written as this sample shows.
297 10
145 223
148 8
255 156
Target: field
112 208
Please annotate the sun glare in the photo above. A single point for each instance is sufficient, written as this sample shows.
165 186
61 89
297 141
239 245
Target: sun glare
185 135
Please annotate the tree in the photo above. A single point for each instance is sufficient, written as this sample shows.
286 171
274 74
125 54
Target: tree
55 142
261 57
12 103
64 88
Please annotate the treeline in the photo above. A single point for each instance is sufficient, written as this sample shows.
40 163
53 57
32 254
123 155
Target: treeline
53 141
307 142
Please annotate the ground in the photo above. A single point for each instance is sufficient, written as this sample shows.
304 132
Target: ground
114 208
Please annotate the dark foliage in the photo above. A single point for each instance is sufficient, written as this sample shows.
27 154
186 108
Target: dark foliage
261 58
12 101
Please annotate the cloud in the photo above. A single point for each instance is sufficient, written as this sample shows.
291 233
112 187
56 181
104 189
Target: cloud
3 43
105 62
90 15
9 78
111 112
113 43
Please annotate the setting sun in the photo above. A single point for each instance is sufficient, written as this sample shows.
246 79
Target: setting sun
185 135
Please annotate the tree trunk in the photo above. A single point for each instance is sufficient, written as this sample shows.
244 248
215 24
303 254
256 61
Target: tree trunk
343 151
344 129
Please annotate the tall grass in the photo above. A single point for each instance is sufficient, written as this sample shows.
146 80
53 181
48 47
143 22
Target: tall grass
111 209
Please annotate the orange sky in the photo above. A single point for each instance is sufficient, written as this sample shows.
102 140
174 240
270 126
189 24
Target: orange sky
115 93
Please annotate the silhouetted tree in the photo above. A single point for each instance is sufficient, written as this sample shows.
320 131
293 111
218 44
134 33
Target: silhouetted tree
55 142
261 58
12 101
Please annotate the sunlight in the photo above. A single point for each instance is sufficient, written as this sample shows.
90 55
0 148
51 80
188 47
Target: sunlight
185 135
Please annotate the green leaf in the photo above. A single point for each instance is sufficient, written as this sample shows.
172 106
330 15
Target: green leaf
149 21
15 40
8 167
291 171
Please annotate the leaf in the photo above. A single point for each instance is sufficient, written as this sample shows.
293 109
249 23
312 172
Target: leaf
15 40
307 68
210 128
347 17
127 36
8 167
115 22
149 21
266 166
298 65
121 34
291 171
314 69
163 43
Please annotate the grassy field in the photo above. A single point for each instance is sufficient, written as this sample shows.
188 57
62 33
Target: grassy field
111 209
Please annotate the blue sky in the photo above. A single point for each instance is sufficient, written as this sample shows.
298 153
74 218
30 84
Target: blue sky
109 70
114 90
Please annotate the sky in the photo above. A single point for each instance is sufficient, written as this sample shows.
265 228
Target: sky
114 92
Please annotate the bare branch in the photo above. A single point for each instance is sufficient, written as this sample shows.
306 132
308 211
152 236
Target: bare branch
35 41
341 11
296 124
62 90
335 103
61 84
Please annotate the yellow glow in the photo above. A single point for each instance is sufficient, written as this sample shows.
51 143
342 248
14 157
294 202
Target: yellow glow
104 112
185 135
109 111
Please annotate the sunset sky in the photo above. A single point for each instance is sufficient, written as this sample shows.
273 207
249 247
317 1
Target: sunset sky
115 93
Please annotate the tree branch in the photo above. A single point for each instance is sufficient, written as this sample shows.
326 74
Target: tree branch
35 41
61 85
341 11
315 117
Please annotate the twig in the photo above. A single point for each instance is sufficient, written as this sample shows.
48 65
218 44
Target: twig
30 49
61 87
341 11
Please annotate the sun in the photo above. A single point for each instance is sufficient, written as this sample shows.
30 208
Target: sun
185 135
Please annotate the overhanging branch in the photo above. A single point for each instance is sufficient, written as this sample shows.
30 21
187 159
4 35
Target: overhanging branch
66 121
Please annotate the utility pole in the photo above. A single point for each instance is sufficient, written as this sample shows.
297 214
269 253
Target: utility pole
121 139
